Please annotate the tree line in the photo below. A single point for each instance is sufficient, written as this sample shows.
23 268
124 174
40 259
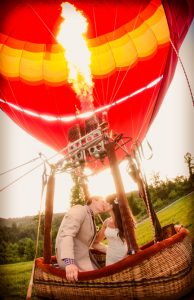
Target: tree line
17 242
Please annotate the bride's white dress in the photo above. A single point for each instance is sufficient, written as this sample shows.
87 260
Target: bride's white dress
117 249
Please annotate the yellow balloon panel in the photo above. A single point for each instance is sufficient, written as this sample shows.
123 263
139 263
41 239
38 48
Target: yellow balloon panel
49 64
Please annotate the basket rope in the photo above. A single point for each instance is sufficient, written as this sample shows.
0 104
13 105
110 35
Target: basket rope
30 286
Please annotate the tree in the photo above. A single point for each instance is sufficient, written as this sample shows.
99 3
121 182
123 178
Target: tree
3 252
21 247
77 195
29 250
134 204
188 160
156 181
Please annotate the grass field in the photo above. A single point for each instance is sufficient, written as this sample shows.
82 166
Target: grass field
14 278
180 212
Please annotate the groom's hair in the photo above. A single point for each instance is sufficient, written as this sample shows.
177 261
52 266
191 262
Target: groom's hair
90 199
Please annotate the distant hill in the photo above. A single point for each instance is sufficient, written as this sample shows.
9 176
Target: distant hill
24 220
18 221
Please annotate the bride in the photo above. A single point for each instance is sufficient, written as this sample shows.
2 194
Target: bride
112 230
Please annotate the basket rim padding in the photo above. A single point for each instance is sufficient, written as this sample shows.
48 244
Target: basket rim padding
129 261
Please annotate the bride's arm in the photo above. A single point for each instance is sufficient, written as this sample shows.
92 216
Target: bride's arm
99 238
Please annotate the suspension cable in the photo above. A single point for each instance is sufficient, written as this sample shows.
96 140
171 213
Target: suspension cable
184 71
36 167
20 177
17 167
67 156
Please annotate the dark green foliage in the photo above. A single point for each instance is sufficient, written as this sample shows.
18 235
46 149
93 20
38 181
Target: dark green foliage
57 219
21 247
136 204
169 190
161 193
29 249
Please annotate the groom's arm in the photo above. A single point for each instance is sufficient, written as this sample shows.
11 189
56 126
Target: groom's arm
68 231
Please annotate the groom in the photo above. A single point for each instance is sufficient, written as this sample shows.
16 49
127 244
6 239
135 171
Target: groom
76 234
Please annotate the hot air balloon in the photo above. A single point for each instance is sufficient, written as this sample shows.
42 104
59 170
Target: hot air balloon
132 51
132 64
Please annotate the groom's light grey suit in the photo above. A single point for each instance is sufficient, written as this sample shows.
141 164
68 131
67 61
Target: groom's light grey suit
76 234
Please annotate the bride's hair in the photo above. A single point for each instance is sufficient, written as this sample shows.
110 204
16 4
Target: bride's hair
115 207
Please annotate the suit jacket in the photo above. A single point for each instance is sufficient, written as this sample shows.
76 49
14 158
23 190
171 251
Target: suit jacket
75 235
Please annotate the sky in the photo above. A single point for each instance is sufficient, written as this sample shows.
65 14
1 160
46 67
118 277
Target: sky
170 135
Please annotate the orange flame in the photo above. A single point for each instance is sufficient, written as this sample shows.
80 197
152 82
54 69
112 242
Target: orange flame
78 57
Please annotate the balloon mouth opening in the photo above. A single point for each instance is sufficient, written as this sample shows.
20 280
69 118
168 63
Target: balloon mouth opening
82 115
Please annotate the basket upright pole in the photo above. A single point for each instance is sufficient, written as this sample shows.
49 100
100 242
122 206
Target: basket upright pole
48 218
127 219
137 176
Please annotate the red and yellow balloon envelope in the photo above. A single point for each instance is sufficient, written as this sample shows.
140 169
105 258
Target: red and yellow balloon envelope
129 57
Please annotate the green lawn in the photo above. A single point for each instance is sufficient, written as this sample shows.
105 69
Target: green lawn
180 212
14 278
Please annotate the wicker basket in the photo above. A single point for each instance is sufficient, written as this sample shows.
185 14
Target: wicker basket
161 271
